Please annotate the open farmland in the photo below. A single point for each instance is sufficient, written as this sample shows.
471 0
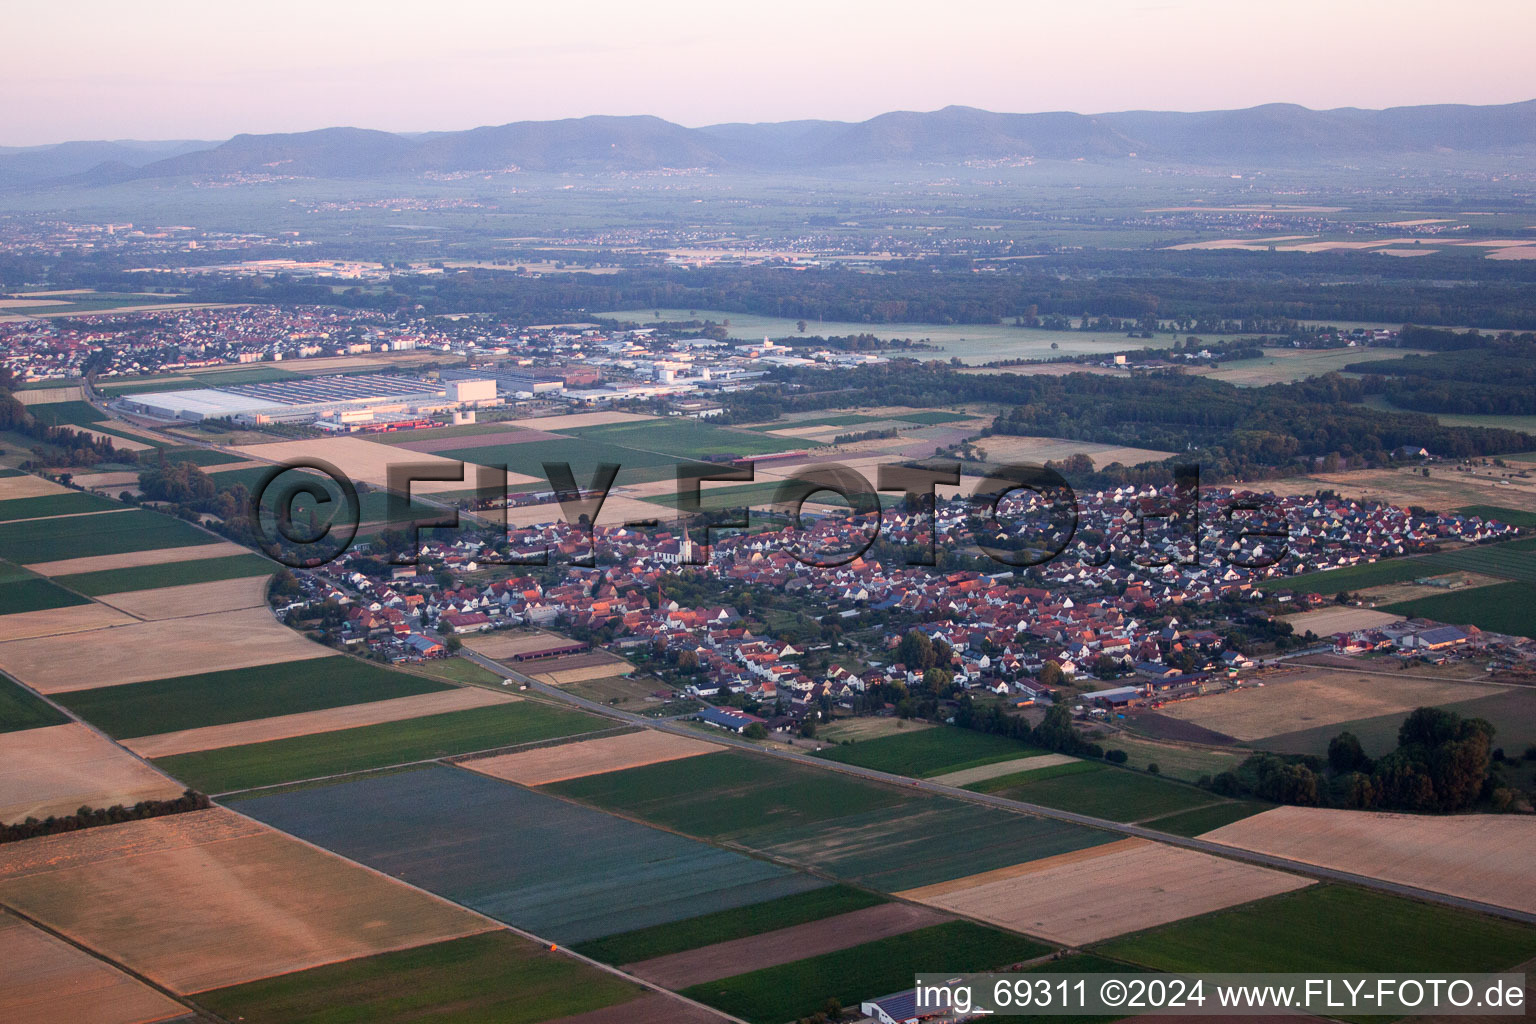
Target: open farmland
48 540
18 485
192 551
1107 890
168 574
728 925
589 757
1512 710
370 461
493 978
556 869
1011 450
20 709
997 769
218 698
788 991
1203 819
1339 619
150 650
689 438
1502 608
191 598
60 768
33 593
930 752
637 465
45 980
264 903
1331 928
67 503
1481 857
375 746
1089 787
68 618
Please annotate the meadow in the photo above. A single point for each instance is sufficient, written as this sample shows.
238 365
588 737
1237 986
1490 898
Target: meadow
930 752
46 540
167 574
373 746
1087 787
238 695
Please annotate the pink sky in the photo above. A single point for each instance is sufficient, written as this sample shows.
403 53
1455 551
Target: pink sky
175 69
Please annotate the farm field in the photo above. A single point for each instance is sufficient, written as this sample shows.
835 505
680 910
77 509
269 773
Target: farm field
1361 577
1205 819
840 729
1331 928
688 438
1091 788
133 559
47 540
75 617
265 904
1315 696
1339 619
237 695
45 980
191 598
33 593
589 757
1186 762
309 723
20 709
788 991
58 769
727 925
1108 890
997 769
1006 449
1501 608
559 870
1512 712
527 460
930 752
150 650
370 461
374 746
68 503
1513 517
16 485
1477 856
167 574
492 978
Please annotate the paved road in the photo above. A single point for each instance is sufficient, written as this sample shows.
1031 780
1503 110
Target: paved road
1018 806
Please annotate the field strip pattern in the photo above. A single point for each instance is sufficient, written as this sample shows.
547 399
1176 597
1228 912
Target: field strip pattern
70 515
966 776
828 935
45 980
59 768
28 487
264 903
308 723
1123 889
370 462
134 559
78 618
651 1008
589 757
1484 857
191 598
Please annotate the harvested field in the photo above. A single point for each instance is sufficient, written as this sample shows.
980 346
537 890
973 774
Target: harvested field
45 980
192 598
513 435
574 421
830 934
1343 619
1039 450
557 869
370 461
1110 890
134 559
114 482
265 904
1000 768
308 723
77 618
44 396
589 757
578 668
501 645
857 729
150 650
1292 701
616 511
651 1008
60 768
1482 857
28 486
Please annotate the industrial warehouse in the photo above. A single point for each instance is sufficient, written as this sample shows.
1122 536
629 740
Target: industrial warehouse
332 403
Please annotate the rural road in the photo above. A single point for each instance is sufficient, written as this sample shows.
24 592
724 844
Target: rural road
1018 806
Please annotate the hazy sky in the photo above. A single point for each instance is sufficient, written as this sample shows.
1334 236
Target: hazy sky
209 69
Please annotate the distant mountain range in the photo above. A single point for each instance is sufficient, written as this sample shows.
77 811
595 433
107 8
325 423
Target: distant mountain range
1275 134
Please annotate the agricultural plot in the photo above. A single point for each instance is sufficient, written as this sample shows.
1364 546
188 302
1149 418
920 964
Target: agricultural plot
1186 761
1339 619
558 870
43 506
583 454
689 438
1108 890
1501 608
1088 787
1481 857
1498 514
47 540
77 413
191 598
1331 928
1006 449
16 484
727 925
789 991
1358 577
589 757
73 617
34 594
1205 819
167 574
375 746
370 461
265 904
930 752
1512 712
136 559
150 650
45 980
238 695
58 769
493 978
997 769
20 709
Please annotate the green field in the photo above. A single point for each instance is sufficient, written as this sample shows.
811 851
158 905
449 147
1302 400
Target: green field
688 438
374 746
1331 928
1088 787
777 994
1206 819
930 752
201 456
45 505
725 925
168 574
494 978
1508 516
240 695
1510 560
68 414
1359 577
932 417
1502 608
847 420
33 593
46 540
583 454
21 709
